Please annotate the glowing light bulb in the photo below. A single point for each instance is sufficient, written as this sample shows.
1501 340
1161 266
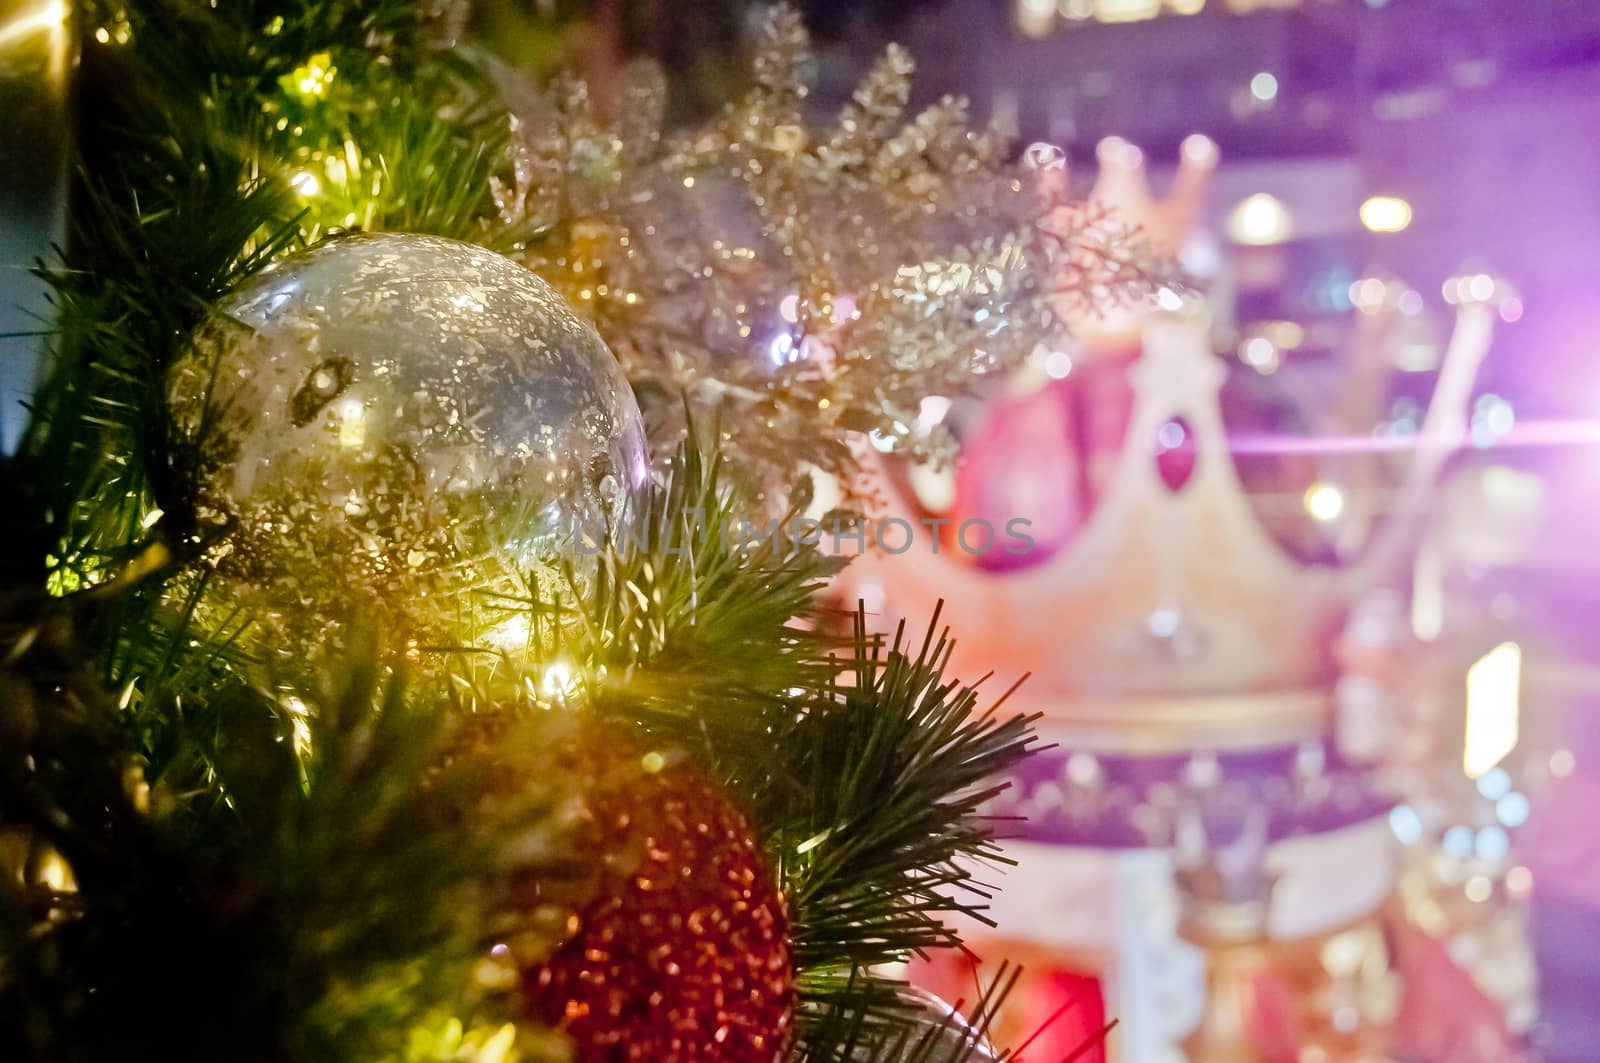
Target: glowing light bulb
1260 220
1324 502
1126 10
313 78
1386 214
557 680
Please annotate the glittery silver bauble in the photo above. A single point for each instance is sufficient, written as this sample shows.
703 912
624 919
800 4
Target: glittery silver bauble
403 423
939 1034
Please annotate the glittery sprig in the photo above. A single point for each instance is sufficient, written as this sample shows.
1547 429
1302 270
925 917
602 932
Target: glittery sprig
804 286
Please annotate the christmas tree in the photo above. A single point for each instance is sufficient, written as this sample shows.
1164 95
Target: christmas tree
414 642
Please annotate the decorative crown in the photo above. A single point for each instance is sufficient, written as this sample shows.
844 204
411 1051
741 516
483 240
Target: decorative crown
1122 192
1174 620
1122 186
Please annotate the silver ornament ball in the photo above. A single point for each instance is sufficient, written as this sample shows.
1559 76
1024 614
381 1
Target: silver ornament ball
938 1033
402 422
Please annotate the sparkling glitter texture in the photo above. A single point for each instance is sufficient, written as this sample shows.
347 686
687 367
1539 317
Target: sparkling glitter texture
803 284
682 954
938 1032
397 421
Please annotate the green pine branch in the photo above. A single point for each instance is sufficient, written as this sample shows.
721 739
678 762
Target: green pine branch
258 872
334 890
898 762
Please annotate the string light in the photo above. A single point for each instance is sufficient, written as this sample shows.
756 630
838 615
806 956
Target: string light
314 77
1260 220
1324 502
1127 10
1386 214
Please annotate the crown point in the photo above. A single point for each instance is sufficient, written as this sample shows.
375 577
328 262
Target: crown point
1120 153
1199 150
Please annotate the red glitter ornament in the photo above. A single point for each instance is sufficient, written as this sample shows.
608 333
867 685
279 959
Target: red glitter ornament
682 954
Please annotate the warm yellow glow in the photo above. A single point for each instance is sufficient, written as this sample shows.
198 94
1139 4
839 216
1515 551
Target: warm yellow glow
299 723
313 78
1386 214
497 1049
557 682
1126 10
1286 335
1494 708
1260 220
512 634
49 17
352 423
54 873
1187 7
306 184
1324 502
1035 17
